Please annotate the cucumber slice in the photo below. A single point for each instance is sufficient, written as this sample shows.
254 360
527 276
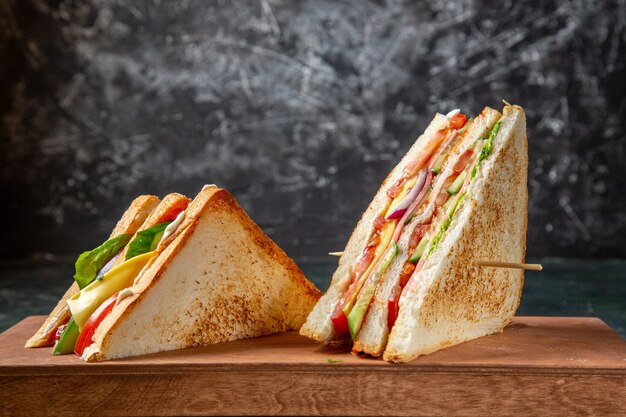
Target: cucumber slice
89 263
457 184
419 250
446 205
391 253
467 124
68 338
355 318
436 169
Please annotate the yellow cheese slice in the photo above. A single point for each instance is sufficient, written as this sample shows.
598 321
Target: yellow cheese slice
405 190
385 239
87 300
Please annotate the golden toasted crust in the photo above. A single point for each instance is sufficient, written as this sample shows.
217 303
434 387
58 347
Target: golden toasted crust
453 300
219 278
131 220
171 203
134 217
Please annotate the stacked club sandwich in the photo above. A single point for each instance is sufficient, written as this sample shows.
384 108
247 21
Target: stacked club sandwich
173 275
407 283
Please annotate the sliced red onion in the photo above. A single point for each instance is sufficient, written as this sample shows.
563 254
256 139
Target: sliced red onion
401 207
107 267
412 207
397 213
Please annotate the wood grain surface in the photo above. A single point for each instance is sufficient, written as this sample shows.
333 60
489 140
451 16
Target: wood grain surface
537 366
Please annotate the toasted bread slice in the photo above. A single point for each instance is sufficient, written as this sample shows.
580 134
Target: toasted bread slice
220 278
131 221
318 325
452 300
372 337
171 205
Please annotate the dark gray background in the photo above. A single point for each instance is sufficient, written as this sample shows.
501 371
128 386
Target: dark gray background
299 109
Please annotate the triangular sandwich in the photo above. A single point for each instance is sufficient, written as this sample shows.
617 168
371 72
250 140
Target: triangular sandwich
406 284
213 277
132 219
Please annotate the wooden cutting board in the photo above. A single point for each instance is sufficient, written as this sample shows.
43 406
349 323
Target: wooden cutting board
537 366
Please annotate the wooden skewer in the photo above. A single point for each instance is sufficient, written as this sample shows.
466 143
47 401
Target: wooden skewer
530 267
515 265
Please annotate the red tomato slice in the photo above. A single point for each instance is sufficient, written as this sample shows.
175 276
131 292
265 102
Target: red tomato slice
406 273
173 211
442 197
462 162
54 335
458 121
339 319
395 189
417 235
340 322
392 305
379 222
88 330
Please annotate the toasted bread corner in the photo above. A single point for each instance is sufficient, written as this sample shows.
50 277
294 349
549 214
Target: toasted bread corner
221 279
129 223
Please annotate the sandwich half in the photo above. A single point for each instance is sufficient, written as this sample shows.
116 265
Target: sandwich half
363 249
138 231
451 300
94 261
214 276
414 231
408 285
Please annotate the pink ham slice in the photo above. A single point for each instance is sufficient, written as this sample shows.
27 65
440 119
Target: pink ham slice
437 225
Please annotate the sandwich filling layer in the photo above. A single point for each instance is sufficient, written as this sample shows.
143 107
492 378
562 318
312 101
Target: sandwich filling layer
103 279
408 198
426 236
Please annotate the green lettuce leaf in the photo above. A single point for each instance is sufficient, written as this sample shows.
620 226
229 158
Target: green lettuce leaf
446 223
486 149
89 263
444 226
146 240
